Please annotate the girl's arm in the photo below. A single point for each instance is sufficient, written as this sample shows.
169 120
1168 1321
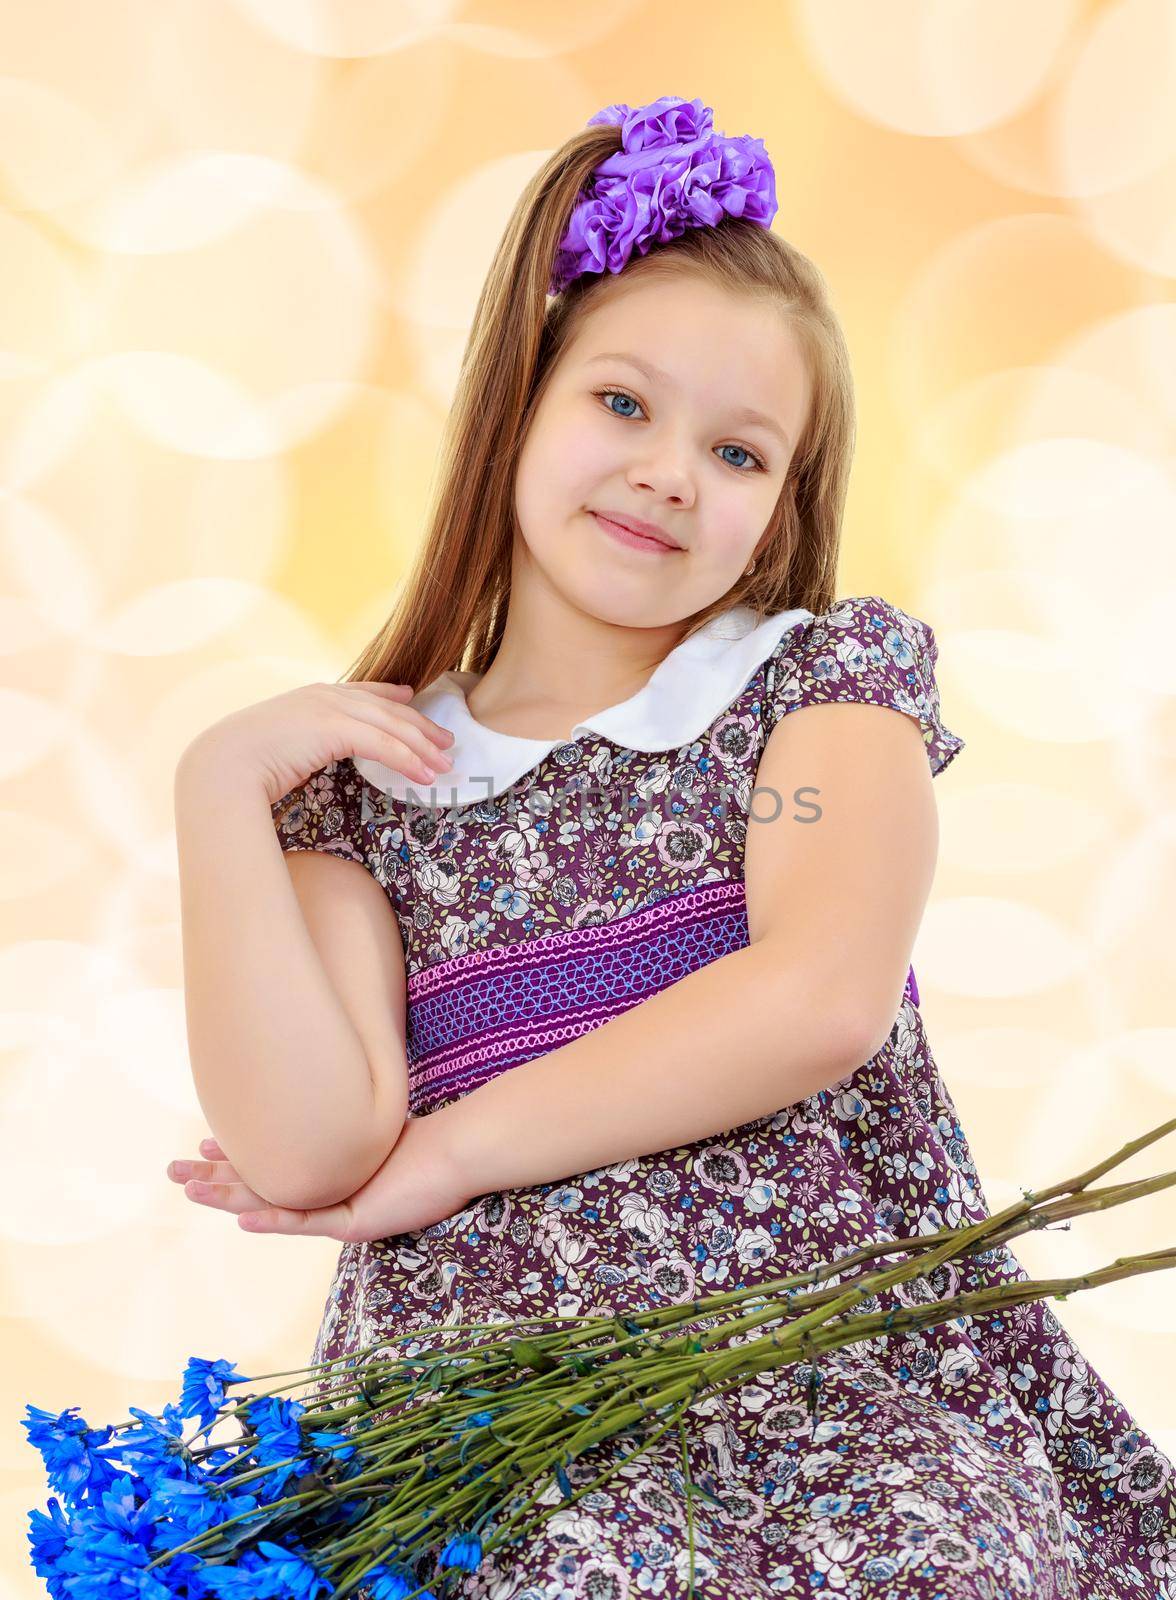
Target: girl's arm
305 1093
834 905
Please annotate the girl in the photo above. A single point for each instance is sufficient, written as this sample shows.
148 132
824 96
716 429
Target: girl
584 982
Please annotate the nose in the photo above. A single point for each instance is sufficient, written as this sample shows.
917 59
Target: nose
667 482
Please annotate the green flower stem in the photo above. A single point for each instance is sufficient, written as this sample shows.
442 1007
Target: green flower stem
801 1336
689 1482
555 1393
975 1234
785 1349
537 1522
1110 1196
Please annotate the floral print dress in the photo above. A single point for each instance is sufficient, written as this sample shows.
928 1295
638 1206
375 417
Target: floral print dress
979 1458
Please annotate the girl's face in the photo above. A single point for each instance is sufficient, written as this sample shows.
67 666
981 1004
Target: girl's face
645 416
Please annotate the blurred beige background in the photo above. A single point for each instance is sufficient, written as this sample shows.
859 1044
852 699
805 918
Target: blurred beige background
240 245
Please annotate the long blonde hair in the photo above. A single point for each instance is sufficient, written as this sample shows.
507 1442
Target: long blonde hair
452 608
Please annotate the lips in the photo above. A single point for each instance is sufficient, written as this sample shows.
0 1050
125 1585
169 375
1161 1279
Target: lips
648 530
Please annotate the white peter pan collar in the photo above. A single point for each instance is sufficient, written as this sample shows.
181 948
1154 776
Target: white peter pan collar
687 691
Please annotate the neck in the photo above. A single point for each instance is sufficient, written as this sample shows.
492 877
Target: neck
557 665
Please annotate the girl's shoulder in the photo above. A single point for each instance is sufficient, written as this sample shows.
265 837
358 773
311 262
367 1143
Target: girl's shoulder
865 649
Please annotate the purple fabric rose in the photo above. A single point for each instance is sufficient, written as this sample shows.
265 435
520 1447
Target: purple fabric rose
673 172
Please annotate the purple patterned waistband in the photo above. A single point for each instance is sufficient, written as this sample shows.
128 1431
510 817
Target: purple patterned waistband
476 1015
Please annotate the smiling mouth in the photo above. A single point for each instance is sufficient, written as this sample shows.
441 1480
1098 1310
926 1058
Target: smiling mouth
635 541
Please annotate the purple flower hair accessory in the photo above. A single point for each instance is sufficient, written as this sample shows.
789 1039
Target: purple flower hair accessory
673 172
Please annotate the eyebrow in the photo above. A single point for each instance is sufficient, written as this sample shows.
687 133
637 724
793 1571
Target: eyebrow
656 375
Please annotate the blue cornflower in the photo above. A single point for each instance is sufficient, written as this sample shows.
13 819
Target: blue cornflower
202 1391
464 1551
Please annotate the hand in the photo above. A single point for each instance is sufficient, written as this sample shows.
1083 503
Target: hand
417 1185
284 740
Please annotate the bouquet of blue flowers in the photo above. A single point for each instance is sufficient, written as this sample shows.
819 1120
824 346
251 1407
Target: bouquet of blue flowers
407 1468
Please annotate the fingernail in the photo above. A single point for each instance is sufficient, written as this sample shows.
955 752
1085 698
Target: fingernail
179 1169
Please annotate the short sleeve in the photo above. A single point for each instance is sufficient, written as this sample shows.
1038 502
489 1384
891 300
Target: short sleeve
864 649
324 813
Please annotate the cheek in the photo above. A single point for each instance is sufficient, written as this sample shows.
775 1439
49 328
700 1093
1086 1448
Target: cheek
565 462
586 458
731 533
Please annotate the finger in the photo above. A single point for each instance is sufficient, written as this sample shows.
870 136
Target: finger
436 731
204 1174
211 1149
424 738
400 747
427 736
235 1197
406 752
404 694
326 1222
180 1170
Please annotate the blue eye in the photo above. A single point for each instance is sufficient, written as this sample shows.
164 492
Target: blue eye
622 394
